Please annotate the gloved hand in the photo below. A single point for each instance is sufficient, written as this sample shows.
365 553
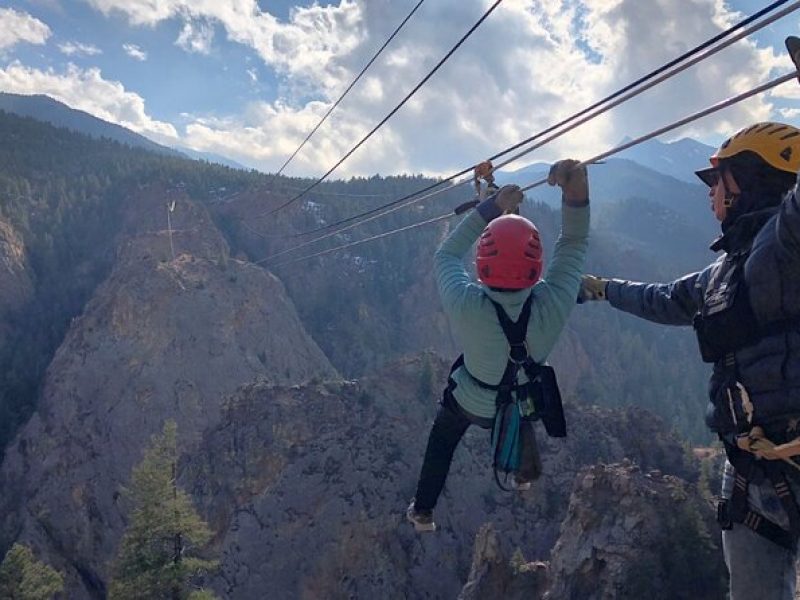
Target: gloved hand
592 288
573 181
508 198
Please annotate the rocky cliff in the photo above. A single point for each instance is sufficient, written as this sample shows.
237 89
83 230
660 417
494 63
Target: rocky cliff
164 337
306 486
627 534
16 287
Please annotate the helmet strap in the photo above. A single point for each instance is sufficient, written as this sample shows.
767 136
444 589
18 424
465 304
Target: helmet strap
729 198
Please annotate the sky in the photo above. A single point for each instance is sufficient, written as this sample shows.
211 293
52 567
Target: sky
248 79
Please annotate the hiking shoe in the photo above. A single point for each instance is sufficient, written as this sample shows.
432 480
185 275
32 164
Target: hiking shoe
518 485
422 520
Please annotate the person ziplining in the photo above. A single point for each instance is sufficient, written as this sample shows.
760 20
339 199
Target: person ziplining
508 323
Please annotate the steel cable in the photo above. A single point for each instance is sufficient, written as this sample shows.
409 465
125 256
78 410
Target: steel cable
586 114
665 129
391 113
349 87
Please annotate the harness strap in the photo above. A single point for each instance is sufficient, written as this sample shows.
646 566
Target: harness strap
737 509
775 472
481 384
757 523
515 333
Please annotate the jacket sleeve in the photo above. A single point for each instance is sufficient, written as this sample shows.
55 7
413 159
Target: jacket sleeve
673 303
789 225
554 296
456 288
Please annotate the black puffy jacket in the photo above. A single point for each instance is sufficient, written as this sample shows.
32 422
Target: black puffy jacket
769 368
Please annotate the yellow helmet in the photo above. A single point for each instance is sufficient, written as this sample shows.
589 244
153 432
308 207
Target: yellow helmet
777 144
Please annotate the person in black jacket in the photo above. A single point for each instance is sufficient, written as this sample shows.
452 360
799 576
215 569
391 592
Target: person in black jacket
745 308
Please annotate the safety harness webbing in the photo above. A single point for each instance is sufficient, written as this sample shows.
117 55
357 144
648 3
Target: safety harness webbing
746 465
505 431
737 509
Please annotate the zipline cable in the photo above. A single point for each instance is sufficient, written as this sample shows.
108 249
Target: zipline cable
394 206
663 77
414 198
667 128
369 239
584 111
679 123
391 113
349 87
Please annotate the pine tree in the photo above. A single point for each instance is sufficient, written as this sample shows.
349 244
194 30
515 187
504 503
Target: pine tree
22 577
157 557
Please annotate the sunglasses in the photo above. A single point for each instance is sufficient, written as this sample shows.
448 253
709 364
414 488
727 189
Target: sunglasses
709 176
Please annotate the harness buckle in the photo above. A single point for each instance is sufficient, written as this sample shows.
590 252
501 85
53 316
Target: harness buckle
724 515
518 353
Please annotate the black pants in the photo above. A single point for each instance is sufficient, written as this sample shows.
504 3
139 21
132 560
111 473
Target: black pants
448 428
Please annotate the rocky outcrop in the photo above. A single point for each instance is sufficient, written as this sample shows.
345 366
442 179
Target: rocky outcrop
306 487
16 287
634 534
494 575
162 338
627 535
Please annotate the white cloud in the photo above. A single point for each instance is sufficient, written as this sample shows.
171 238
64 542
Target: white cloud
196 37
530 64
303 47
79 49
135 52
17 26
85 89
140 12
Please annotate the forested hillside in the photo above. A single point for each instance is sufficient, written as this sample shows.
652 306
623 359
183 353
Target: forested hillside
61 194
61 197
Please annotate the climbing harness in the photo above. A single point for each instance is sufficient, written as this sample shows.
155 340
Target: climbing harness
537 399
754 456
725 325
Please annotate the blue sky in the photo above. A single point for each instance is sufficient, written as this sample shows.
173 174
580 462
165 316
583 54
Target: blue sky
248 80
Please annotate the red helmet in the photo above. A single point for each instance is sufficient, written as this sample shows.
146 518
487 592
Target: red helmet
509 253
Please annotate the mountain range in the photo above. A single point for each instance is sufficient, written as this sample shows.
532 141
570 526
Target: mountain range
45 108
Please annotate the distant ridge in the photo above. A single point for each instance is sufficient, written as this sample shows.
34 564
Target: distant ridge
211 157
679 159
45 108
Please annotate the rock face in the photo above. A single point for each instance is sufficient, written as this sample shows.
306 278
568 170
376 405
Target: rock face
630 534
303 477
493 575
627 535
15 284
306 487
161 339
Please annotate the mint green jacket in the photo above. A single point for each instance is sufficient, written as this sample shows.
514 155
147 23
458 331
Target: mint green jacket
473 317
